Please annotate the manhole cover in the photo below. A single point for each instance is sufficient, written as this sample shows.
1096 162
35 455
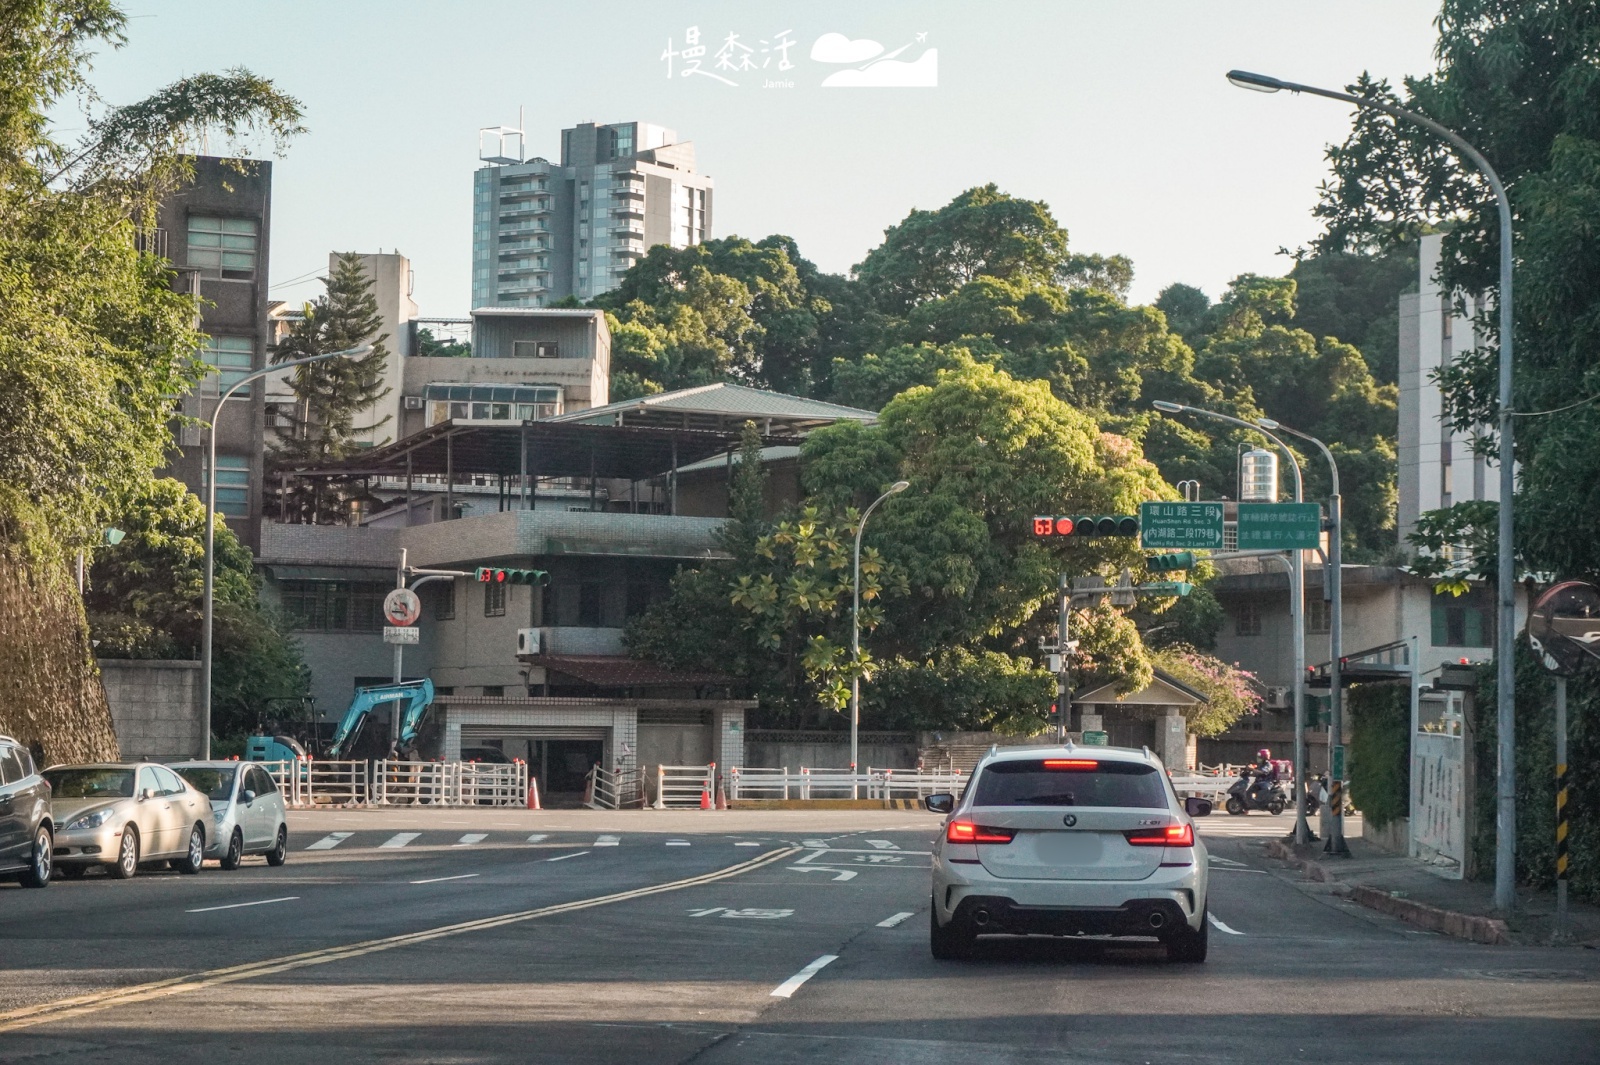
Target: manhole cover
1523 976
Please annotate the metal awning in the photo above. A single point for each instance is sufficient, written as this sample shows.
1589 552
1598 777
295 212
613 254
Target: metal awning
610 671
553 449
1387 663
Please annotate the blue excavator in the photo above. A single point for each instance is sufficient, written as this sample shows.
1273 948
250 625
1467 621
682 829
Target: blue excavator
414 697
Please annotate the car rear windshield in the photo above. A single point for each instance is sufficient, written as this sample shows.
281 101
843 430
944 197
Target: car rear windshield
90 783
216 783
1070 782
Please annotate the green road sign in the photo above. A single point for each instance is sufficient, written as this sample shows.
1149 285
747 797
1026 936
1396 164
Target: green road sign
1279 526
1094 738
1338 761
1183 525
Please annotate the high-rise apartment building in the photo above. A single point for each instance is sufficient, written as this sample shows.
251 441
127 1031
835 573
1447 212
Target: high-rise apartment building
543 231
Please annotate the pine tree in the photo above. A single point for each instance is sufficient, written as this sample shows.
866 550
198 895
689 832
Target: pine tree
747 501
330 397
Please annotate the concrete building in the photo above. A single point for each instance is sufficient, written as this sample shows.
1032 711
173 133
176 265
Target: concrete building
215 229
1438 467
543 231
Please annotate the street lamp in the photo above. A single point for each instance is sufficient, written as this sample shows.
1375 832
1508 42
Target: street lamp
855 634
206 595
1335 843
1297 605
1505 676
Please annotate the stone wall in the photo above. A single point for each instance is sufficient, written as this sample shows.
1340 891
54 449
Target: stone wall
155 707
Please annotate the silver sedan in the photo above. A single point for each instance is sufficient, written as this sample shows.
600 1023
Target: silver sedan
121 814
247 809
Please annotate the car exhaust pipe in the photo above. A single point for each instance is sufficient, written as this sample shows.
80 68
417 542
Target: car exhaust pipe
980 918
1158 920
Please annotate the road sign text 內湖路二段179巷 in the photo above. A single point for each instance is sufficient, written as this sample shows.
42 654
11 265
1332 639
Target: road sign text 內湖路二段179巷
1279 526
1190 525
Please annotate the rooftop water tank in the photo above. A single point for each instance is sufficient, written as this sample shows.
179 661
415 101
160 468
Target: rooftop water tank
1258 476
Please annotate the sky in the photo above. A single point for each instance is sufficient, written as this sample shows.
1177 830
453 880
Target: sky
1114 112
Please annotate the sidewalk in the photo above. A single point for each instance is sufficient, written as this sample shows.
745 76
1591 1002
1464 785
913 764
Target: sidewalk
1395 884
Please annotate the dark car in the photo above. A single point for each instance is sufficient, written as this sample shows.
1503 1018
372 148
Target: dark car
27 834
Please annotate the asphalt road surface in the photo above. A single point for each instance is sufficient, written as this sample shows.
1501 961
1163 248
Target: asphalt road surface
492 936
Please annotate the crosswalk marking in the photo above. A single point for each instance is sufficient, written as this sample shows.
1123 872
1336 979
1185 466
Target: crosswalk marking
890 922
882 844
538 837
399 839
608 841
330 841
677 843
472 837
747 843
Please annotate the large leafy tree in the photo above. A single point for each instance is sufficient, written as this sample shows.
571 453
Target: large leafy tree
333 398
1517 81
94 344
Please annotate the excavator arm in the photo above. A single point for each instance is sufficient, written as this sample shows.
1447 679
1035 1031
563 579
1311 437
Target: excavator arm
416 695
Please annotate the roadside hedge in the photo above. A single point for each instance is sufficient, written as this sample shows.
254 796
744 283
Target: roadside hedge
1380 751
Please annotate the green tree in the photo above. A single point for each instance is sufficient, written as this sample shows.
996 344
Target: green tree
330 396
94 344
144 601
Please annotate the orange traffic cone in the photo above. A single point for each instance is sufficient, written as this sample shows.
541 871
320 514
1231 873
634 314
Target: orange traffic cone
705 798
533 794
722 797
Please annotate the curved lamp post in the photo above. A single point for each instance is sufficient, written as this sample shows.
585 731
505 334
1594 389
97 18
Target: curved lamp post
207 598
1505 577
1297 606
855 634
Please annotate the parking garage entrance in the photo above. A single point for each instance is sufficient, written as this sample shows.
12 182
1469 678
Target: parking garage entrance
558 758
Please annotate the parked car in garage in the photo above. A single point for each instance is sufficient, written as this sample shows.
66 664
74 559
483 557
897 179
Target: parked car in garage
120 815
247 809
27 829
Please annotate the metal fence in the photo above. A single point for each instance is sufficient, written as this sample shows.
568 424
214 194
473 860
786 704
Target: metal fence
748 782
313 782
613 789
685 787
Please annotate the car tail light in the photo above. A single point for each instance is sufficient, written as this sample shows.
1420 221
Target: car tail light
967 832
1071 763
1171 836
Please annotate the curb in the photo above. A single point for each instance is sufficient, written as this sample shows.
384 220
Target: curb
1472 927
824 804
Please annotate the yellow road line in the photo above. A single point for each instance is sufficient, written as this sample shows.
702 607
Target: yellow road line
61 1009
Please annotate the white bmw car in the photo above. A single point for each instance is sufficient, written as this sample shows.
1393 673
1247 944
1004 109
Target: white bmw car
1069 841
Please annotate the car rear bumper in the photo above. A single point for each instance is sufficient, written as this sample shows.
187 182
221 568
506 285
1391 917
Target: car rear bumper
998 915
1071 907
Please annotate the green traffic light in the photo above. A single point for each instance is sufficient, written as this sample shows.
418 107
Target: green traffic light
1181 560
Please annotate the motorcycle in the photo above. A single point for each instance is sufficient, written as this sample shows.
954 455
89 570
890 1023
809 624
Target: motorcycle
1241 799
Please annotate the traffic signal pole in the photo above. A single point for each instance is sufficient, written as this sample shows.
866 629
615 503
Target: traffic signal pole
1063 678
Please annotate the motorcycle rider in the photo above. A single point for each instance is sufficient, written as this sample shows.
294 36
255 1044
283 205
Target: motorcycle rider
1265 770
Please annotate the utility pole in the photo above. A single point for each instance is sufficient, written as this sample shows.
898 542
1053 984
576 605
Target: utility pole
1063 680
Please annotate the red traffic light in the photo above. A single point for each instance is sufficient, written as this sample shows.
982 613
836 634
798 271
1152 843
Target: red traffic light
1063 526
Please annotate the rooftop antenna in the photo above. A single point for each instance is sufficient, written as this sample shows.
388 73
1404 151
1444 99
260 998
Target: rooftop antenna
496 143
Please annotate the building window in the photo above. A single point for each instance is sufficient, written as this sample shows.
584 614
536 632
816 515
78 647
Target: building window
223 247
444 603
486 403
1319 614
494 691
231 358
1247 621
494 600
233 485
1462 621
334 606
535 349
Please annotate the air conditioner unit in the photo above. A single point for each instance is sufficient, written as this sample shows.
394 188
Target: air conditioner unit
527 641
1278 699
413 403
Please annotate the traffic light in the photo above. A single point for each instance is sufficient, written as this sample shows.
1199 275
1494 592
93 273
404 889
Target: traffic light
1055 713
495 575
1169 563
1085 525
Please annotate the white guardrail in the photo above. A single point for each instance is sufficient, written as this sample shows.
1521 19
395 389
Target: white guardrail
613 789
748 782
685 787
315 782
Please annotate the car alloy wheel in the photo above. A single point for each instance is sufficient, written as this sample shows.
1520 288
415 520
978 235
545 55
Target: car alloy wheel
280 850
235 855
195 857
37 875
127 863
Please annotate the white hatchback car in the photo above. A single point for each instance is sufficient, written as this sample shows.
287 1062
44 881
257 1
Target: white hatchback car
1069 841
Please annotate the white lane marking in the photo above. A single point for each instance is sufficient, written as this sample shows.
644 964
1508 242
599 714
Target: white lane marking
564 857
896 919
1226 861
882 845
538 837
1225 869
810 856
747 844
608 841
399 839
791 985
330 841
442 879
472 837
237 905
839 874
677 843
1219 926
814 843
862 850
